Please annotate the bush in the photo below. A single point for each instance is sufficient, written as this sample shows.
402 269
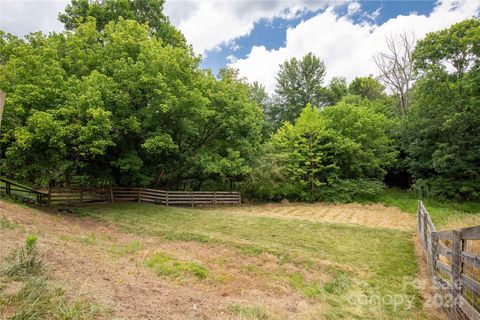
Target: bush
351 190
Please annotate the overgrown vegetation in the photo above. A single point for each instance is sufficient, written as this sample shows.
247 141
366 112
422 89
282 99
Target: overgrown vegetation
27 293
120 98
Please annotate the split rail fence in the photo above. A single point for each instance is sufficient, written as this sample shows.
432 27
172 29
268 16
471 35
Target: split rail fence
454 268
116 194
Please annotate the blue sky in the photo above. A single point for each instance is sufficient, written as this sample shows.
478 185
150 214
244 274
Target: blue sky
256 36
271 33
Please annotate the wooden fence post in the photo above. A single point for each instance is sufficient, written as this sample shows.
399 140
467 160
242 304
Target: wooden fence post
139 194
215 199
49 194
8 187
418 218
456 270
111 193
167 198
433 252
425 230
191 198
81 193
239 198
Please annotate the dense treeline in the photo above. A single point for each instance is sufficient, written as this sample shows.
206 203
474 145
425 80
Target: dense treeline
119 97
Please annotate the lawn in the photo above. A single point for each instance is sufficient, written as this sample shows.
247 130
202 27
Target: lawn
352 272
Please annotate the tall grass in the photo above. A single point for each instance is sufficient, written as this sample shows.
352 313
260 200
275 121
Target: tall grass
27 293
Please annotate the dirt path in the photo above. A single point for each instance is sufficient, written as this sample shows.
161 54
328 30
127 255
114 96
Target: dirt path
371 215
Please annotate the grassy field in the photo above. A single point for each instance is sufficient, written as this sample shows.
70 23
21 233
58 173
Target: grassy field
337 266
271 261
444 213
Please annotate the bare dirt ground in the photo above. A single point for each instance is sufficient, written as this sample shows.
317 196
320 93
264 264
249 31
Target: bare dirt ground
371 215
80 253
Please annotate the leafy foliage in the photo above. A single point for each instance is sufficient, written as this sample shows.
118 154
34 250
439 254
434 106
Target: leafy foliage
115 103
333 148
442 127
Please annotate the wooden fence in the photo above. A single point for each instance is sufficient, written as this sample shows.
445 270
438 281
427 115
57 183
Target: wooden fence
176 197
20 191
454 268
115 194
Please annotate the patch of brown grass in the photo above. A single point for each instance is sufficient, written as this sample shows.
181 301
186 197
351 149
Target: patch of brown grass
370 215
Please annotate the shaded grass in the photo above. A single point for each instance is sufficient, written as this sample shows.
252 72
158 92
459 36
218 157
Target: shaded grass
443 212
378 259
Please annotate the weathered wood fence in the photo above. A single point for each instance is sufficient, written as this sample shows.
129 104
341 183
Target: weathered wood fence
114 194
454 268
176 197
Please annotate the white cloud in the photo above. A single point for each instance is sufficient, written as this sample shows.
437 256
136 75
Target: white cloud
353 8
231 58
208 24
21 17
347 48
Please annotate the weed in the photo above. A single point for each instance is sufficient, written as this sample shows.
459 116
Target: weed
307 289
89 239
7 224
38 299
255 312
126 249
165 265
338 285
24 261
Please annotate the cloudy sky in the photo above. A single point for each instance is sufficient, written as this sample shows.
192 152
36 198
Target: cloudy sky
256 36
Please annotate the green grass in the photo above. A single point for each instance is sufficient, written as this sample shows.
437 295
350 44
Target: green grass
164 265
27 293
7 224
361 260
244 312
443 212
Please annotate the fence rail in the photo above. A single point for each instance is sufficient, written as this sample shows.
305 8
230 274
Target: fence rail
454 270
176 197
114 194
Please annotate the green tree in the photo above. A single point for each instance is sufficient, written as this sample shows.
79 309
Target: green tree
329 153
442 127
115 103
143 11
367 88
336 90
299 82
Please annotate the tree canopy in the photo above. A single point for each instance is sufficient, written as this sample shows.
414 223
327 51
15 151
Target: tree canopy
118 104
119 97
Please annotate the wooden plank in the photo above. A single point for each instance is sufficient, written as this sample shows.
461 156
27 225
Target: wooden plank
468 309
429 222
456 271
154 196
443 267
471 284
153 191
444 250
445 235
471 233
471 259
